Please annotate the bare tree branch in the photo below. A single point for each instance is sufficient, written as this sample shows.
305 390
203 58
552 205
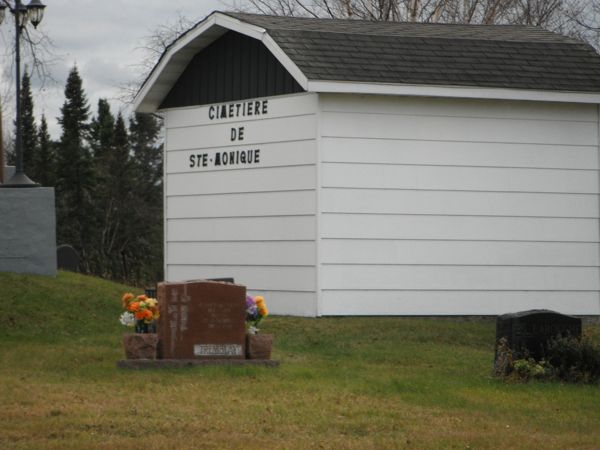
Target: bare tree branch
577 18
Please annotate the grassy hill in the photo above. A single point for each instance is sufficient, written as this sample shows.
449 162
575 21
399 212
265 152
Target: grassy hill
70 306
359 383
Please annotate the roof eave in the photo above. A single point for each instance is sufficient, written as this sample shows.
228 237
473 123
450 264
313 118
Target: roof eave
449 91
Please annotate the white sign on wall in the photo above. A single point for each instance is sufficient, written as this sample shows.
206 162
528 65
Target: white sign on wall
220 159
243 157
238 135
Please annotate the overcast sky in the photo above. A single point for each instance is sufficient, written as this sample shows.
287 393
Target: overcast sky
103 39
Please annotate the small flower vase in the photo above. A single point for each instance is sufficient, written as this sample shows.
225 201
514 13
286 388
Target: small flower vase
259 346
141 326
140 345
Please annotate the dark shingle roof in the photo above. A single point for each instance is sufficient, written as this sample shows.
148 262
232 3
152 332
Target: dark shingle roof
436 54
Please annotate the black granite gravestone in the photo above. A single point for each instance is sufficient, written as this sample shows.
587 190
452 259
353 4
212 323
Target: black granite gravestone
528 332
67 258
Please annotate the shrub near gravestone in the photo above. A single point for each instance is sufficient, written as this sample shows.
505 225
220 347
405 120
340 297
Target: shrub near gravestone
574 360
544 345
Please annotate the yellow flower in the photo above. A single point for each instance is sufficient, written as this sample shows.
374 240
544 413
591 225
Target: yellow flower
262 309
152 302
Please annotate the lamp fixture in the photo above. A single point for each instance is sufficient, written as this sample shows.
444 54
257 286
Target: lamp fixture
33 12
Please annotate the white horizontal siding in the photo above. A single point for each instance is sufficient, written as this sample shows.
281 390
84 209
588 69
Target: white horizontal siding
454 107
233 229
289 303
263 253
459 129
380 176
519 278
255 222
243 180
256 278
436 227
386 252
465 154
242 205
376 201
433 206
422 302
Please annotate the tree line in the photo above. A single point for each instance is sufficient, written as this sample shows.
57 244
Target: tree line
107 175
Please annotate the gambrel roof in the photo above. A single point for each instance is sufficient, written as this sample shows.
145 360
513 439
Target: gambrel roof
326 55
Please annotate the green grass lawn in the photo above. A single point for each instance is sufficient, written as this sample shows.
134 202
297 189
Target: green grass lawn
355 383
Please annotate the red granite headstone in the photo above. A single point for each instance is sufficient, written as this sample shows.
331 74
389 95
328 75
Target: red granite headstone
202 319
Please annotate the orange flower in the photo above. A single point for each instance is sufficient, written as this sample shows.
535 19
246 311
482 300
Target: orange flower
142 298
127 297
148 315
139 315
135 306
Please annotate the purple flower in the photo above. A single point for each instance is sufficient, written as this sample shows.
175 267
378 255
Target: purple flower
251 308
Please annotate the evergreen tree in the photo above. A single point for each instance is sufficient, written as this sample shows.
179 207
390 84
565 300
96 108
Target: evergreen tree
44 161
2 157
144 133
117 205
144 130
102 129
128 202
28 129
75 182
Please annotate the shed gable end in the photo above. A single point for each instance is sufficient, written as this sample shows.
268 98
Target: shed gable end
234 67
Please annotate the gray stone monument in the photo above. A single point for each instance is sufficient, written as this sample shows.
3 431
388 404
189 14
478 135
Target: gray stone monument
28 230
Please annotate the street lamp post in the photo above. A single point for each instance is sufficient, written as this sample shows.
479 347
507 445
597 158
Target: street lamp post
34 13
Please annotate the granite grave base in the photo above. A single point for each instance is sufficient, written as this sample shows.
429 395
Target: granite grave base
138 364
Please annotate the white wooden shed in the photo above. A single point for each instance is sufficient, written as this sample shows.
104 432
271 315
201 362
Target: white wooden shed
361 168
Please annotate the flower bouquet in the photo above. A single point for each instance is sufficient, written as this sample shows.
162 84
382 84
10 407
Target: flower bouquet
142 313
256 311
258 346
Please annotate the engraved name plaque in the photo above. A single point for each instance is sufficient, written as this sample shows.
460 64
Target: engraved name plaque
218 350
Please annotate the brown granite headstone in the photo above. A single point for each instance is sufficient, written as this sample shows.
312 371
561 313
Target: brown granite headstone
202 319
